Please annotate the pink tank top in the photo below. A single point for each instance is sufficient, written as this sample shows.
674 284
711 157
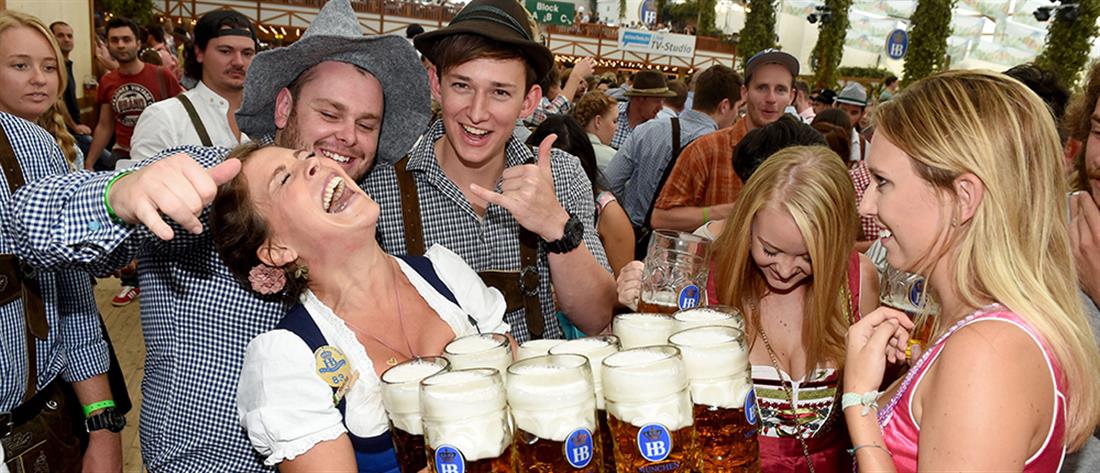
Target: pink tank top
901 432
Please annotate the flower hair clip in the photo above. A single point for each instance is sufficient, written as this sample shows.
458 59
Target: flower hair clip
266 279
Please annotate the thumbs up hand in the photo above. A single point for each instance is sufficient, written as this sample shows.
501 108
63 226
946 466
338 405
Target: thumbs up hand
527 192
177 187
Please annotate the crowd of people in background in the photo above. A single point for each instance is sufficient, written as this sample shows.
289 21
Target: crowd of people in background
389 194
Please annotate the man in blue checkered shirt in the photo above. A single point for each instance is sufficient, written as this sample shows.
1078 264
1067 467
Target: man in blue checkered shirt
321 94
475 187
73 348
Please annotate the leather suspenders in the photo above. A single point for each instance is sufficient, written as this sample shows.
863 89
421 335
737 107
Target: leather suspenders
196 122
520 288
17 280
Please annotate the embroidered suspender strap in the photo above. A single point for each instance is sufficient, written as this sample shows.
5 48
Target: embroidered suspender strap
426 270
300 323
195 120
520 290
18 281
410 209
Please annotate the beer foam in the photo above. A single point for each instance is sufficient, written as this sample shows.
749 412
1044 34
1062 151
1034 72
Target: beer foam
466 409
533 348
470 344
401 393
646 385
698 317
550 402
595 349
642 329
717 363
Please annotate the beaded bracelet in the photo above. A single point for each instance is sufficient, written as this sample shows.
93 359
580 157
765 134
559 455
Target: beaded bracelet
852 451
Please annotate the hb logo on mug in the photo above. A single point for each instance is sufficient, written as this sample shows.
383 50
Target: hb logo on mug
654 442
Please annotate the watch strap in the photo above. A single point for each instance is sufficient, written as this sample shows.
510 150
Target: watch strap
571 237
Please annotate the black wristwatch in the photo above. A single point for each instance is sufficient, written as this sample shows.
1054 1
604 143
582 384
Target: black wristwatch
571 237
109 419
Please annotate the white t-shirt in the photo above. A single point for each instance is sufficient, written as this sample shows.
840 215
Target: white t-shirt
285 405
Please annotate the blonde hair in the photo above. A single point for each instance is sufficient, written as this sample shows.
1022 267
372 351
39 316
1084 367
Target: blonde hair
812 184
591 105
53 120
1016 249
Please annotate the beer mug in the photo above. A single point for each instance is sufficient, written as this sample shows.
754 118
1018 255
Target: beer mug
638 330
483 350
466 424
717 361
595 349
708 315
553 404
906 292
675 274
649 410
533 348
401 398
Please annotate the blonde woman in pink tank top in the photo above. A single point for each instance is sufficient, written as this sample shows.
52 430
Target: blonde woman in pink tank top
967 179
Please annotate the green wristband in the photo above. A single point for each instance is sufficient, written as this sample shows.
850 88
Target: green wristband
706 217
107 203
95 406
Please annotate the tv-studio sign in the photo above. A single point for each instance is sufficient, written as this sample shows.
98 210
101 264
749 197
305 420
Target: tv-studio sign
653 42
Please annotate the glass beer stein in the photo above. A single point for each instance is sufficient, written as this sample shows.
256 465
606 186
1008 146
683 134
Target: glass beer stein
553 404
401 398
906 292
483 350
708 315
595 349
675 274
466 424
641 329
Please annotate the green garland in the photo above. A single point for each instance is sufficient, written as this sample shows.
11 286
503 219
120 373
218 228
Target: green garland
830 43
140 11
705 25
929 28
759 31
622 9
1068 43
863 72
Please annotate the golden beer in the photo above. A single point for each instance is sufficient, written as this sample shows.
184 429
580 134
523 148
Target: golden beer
554 410
401 398
726 440
596 349
466 423
717 362
658 303
500 464
649 409
642 329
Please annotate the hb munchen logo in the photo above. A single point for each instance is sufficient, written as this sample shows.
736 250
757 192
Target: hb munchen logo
449 460
654 442
578 448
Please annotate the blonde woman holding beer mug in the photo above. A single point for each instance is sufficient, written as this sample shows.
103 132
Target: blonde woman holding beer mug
967 178
791 269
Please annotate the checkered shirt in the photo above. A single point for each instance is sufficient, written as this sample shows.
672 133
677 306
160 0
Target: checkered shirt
622 129
74 346
548 107
642 160
489 242
861 179
196 318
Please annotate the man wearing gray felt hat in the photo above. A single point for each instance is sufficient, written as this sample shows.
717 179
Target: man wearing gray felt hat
343 96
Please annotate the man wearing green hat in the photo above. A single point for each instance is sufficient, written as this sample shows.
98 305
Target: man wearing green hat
525 222
342 95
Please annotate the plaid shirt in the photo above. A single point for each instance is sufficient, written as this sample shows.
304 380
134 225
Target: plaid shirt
861 179
622 129
548 107
74 347
704 176
489 242
196 318
642 160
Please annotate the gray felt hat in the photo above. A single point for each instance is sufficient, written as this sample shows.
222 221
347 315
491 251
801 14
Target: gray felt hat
335 35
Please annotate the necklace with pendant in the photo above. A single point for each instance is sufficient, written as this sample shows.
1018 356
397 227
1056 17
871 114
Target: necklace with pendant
400 323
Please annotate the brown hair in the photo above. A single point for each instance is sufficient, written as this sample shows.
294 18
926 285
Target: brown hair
239 230
713 85
456 50
592 105
838 137
1078 121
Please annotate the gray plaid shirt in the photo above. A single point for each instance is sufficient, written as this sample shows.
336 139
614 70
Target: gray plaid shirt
489 242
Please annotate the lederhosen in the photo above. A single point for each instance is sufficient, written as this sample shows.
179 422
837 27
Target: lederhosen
40 433
373 454
520 288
